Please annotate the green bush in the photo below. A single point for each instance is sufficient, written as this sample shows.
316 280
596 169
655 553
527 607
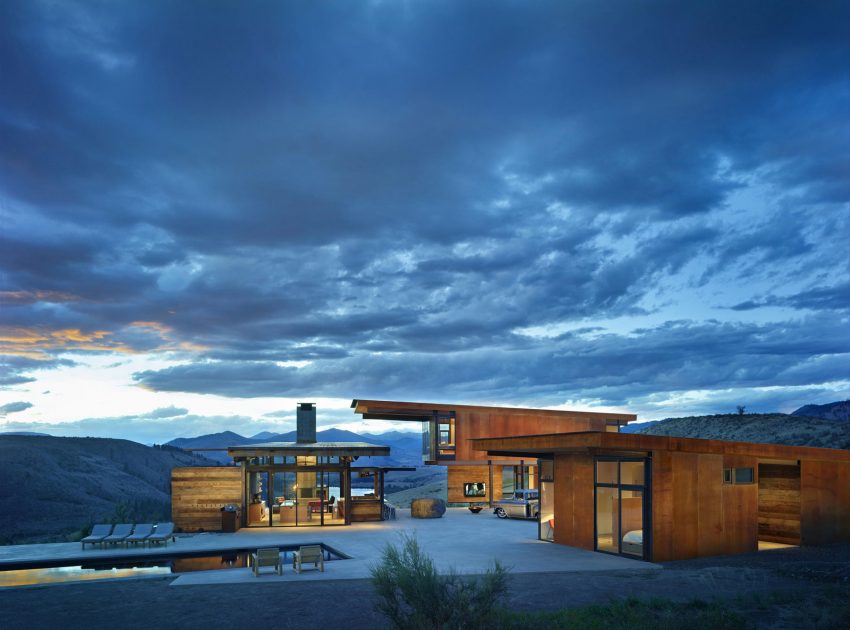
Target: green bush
414 596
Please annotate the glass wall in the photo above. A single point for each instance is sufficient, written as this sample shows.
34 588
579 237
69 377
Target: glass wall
621 514
306 491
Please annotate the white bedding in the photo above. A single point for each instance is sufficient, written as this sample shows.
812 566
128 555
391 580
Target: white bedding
635 537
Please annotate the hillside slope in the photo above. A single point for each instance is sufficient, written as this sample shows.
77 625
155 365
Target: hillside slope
53 486
832 411
769 428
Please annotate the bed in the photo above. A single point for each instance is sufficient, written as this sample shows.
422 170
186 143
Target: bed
633 542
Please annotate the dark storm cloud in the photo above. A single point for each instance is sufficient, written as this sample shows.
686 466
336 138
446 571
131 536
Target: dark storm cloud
14 407
817 298
677 356
400 190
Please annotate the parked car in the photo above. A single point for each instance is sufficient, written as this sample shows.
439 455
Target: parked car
523 504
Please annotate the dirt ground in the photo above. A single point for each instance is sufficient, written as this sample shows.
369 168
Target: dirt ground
766 579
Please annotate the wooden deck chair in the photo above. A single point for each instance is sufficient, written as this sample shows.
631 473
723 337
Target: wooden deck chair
311 554
268 557
98 533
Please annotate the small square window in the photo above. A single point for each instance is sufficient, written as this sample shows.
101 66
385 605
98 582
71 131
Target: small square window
744 475
727 475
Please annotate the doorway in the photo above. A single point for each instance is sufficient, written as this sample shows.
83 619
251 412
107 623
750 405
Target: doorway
778 505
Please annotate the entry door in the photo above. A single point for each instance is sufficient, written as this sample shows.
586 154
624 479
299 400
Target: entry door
621 515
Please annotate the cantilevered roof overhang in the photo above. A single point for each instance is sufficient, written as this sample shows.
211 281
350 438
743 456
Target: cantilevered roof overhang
592 442
323 449
419 411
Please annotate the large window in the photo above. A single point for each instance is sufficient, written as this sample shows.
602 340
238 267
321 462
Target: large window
621 510
438 437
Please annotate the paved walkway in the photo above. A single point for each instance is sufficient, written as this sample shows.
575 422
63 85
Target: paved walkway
459 540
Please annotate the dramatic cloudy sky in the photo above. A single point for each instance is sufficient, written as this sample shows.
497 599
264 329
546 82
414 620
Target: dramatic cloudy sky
211 210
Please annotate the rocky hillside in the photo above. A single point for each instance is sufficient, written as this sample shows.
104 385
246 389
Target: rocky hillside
769 428
52 487
832 411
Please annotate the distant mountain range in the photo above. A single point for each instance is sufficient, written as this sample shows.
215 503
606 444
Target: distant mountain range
53 487
405 448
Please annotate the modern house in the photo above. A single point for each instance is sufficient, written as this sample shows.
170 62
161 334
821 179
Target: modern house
648 497
665 498
448 432
286 484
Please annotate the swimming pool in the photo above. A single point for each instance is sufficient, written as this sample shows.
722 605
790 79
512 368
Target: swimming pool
59 571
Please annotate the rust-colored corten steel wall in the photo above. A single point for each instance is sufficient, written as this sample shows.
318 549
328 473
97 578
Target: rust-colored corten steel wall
458 475
475 421
824 502
574 509
694 513
482 422
199 493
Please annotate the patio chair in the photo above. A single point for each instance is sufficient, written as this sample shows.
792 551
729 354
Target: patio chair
163 532
119 534
311 554
268 557
98 533
140 534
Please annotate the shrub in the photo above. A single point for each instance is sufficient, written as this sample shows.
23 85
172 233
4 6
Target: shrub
414 596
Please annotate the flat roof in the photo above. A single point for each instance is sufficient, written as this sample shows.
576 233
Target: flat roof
400 410
596 441
308 448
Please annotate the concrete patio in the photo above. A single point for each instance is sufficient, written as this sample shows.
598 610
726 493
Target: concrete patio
459 540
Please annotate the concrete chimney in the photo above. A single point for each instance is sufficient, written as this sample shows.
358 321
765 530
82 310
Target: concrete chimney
306 423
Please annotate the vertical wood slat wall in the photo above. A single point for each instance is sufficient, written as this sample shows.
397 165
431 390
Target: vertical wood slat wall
199 493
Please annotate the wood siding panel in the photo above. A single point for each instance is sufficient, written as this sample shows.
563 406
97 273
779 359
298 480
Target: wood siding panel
824 502
199 493
458 475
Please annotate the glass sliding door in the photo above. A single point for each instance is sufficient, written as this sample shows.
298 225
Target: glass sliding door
621 512
285 505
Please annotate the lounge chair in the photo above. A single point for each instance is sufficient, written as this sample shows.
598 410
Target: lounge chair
268 557
311 554
98 533
119 534
140 534
163 532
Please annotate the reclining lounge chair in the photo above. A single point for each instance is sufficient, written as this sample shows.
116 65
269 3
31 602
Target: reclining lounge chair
119 534
98 533
140 534
163 532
